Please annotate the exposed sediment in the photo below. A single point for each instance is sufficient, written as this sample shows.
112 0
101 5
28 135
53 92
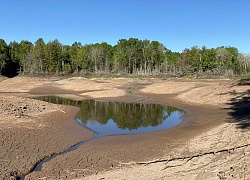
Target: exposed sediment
211 142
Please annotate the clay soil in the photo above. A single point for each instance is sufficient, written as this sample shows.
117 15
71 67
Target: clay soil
212 142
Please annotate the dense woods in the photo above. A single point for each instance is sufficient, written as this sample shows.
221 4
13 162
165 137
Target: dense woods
128 56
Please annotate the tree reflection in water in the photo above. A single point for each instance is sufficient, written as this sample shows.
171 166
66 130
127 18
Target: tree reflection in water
121 118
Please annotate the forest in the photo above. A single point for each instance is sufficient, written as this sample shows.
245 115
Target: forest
128 56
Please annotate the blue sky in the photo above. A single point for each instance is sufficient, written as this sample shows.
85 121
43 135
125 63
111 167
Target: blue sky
178 24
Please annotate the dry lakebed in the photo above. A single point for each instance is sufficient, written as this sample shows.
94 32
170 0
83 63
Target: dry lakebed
210 141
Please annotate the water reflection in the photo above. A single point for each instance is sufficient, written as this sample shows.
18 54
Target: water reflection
110 118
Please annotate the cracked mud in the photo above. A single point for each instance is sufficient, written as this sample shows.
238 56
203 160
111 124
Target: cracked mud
211 143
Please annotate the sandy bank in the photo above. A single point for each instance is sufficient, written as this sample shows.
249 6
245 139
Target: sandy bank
209 106
31 130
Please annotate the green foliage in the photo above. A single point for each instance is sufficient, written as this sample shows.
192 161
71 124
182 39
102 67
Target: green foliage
24 49
53 53
39 56
129 56
3 54
14 51
208 57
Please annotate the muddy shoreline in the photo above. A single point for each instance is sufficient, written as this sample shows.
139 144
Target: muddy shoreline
111 153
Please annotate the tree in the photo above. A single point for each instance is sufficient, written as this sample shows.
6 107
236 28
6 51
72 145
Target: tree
13 66
94 53
73 53
53 52
104 56
208 57
156 56
33 57
120 56
39 55
67 63
233 63
14 51
227 60
24 49
83 61
134 52
128 55
171 62
145 57
244 61
3 54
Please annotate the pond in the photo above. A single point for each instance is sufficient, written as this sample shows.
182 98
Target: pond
116 118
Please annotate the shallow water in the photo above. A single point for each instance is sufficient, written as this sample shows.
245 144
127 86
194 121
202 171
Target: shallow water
113 118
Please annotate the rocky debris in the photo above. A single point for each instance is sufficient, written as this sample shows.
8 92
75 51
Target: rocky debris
23 107
10 176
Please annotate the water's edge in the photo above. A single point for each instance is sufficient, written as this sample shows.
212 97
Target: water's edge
38 165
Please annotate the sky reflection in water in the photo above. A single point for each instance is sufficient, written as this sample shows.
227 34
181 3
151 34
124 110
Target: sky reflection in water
112 118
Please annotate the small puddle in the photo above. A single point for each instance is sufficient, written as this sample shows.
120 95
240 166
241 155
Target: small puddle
116 118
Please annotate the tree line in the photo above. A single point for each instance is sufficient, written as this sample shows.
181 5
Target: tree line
128 56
